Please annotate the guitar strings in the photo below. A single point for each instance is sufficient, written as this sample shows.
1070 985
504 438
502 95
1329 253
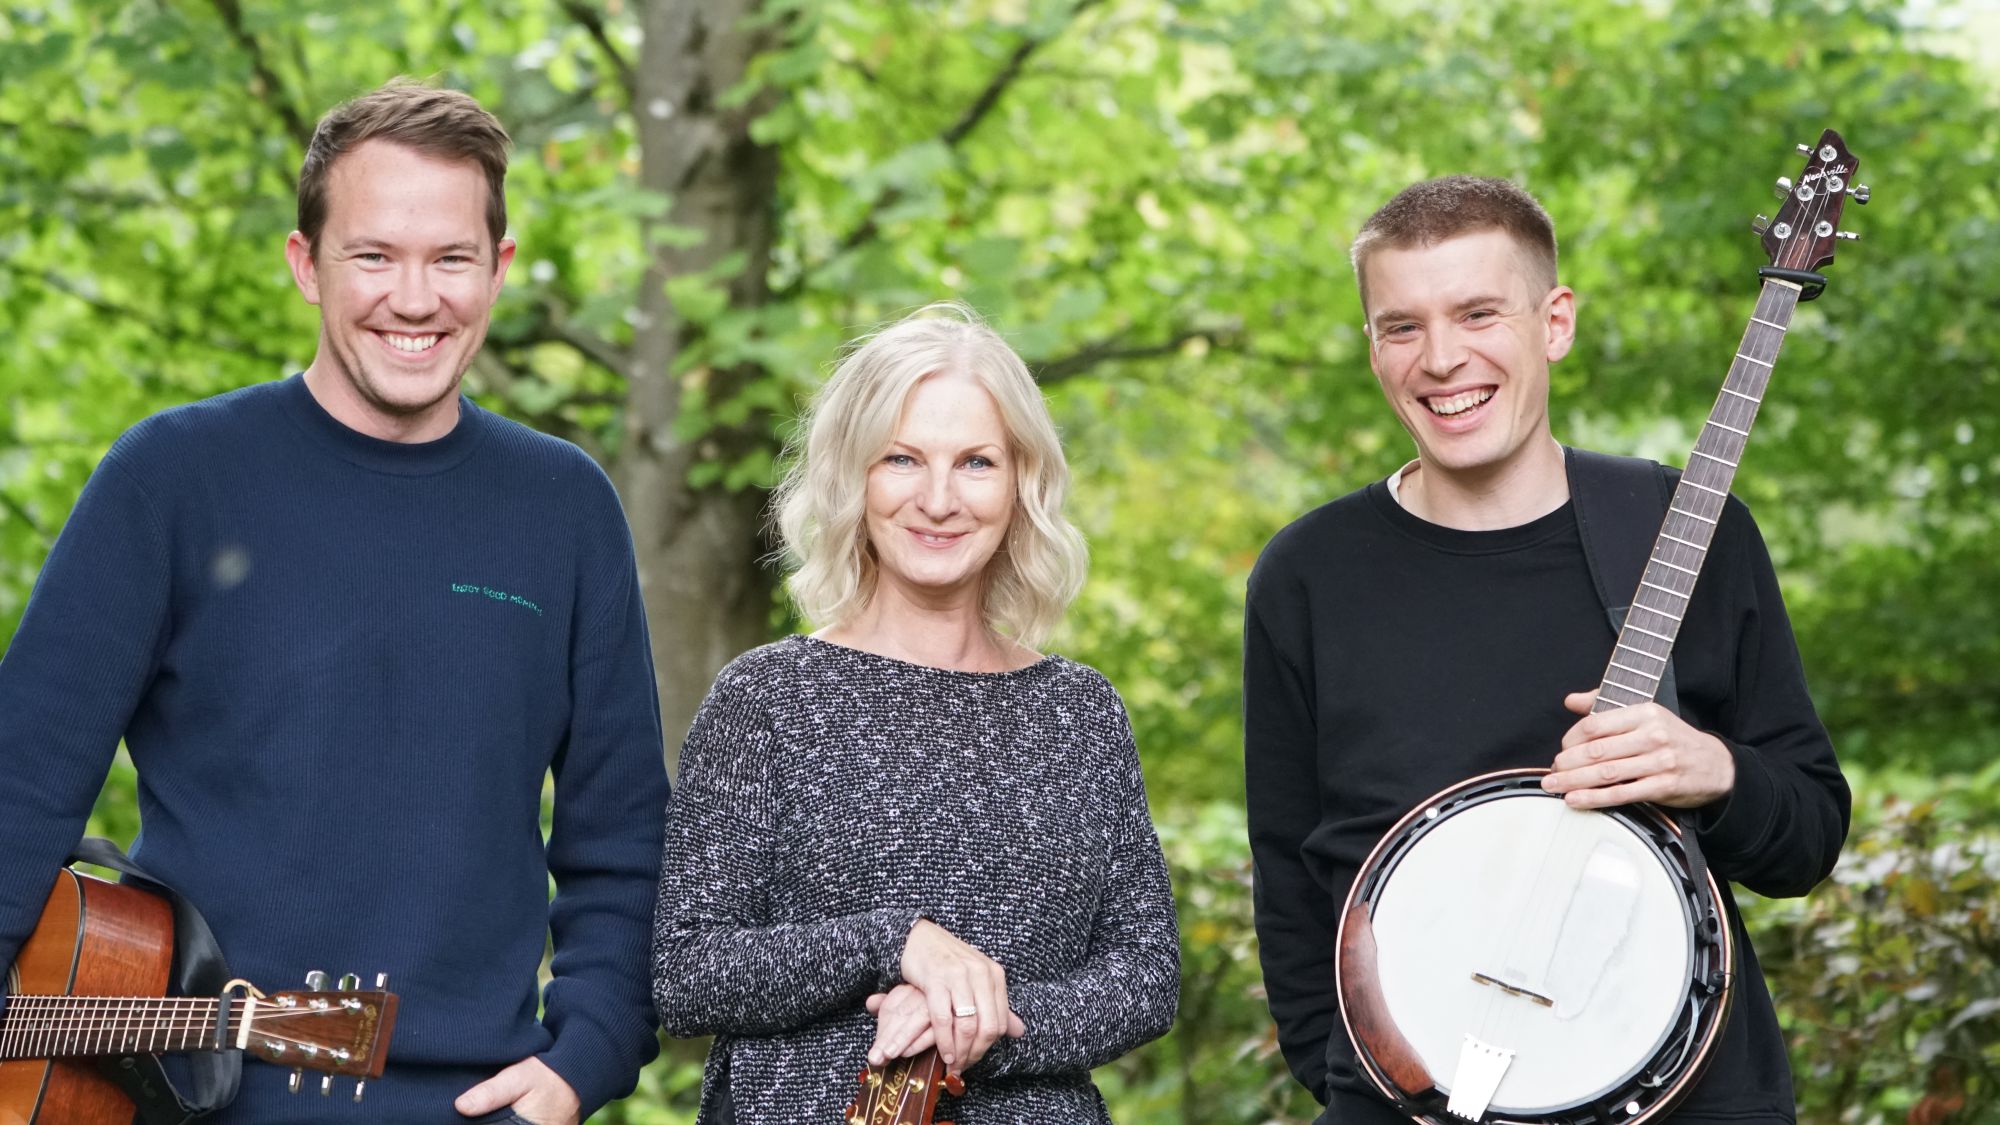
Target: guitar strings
69 1022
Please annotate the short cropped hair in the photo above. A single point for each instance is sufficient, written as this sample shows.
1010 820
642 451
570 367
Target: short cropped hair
445 124
820 504
1427 213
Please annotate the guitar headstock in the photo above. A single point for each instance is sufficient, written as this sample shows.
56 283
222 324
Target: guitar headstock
334 1032
1802 235
903 1091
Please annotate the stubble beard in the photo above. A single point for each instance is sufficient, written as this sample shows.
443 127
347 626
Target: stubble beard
368 385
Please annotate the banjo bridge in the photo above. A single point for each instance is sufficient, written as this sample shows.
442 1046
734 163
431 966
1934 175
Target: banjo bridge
1514 990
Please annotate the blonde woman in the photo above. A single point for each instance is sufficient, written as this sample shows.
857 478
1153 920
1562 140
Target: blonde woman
910 828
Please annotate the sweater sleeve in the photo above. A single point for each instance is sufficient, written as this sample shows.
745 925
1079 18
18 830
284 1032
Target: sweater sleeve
721 964
1294 915
603 848
1127 989
1780 830
86 649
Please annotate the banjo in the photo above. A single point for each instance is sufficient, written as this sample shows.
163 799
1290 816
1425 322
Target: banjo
1596 989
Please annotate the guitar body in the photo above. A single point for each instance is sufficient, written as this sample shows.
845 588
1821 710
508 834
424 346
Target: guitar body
95 939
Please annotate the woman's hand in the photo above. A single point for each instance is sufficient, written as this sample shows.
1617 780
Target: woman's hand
903 1025
964 990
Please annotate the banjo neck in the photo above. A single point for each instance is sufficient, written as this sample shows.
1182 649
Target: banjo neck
1646 640
1799 241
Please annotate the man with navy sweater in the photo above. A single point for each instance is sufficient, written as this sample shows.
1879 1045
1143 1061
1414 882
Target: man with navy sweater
346 624
1443 623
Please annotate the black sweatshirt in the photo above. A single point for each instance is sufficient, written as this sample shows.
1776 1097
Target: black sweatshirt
1387 658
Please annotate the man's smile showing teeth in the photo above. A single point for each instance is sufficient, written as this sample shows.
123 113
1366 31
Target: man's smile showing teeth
412 344
1459 403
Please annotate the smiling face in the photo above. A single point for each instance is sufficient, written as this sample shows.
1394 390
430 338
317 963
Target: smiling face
405 274
941 496
1461 338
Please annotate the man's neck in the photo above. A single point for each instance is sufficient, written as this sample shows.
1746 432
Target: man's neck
1504 496
339 399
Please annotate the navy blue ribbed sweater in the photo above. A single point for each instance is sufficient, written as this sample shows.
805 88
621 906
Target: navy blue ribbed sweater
343 668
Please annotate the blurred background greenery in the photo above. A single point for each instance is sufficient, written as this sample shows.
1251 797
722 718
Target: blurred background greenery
1152 199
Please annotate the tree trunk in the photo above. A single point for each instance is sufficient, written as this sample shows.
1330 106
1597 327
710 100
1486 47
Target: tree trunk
708 598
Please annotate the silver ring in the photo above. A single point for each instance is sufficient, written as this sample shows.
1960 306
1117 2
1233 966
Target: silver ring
964 1011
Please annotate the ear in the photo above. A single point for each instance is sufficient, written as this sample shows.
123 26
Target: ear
503 256
1560 321
298 255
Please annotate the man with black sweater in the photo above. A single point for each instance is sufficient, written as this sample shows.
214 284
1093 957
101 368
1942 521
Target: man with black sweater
1443 623
347 623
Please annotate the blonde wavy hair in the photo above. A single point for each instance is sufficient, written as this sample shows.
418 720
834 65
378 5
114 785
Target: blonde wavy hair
820 505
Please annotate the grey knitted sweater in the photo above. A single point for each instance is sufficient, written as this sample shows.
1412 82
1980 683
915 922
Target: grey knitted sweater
829 798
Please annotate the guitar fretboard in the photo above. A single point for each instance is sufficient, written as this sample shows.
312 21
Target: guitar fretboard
1646 643
68 1026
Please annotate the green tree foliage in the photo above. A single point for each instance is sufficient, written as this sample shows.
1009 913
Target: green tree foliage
1891 972
1153 199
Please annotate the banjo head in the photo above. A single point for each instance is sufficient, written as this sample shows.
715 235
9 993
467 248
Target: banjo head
1567 938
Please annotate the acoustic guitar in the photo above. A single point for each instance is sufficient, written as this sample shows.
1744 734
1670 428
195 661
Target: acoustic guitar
90 981
903 1091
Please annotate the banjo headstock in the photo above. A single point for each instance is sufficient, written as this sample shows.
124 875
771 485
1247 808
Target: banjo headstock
1802 234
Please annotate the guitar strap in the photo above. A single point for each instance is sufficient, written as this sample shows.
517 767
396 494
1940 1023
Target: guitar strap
199 970
1620 504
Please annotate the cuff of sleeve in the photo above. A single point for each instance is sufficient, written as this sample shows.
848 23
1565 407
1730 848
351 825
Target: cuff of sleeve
894 933
1737 824
594 1067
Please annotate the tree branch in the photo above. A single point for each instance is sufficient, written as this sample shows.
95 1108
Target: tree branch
273 91
20 512
606 353
953 135
165 329
593 22
550 326
1111 349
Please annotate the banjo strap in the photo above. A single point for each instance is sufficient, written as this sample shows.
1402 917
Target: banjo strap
1620 504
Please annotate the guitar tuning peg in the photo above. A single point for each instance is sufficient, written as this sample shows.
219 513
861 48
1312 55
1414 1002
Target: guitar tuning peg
1849 235
326 1086
1860 194
1783 188
1805 150
298 1075
381 980
349 982
360 1087
1760 224
316 981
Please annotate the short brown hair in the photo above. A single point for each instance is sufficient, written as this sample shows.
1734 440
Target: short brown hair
1427 213
442 123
